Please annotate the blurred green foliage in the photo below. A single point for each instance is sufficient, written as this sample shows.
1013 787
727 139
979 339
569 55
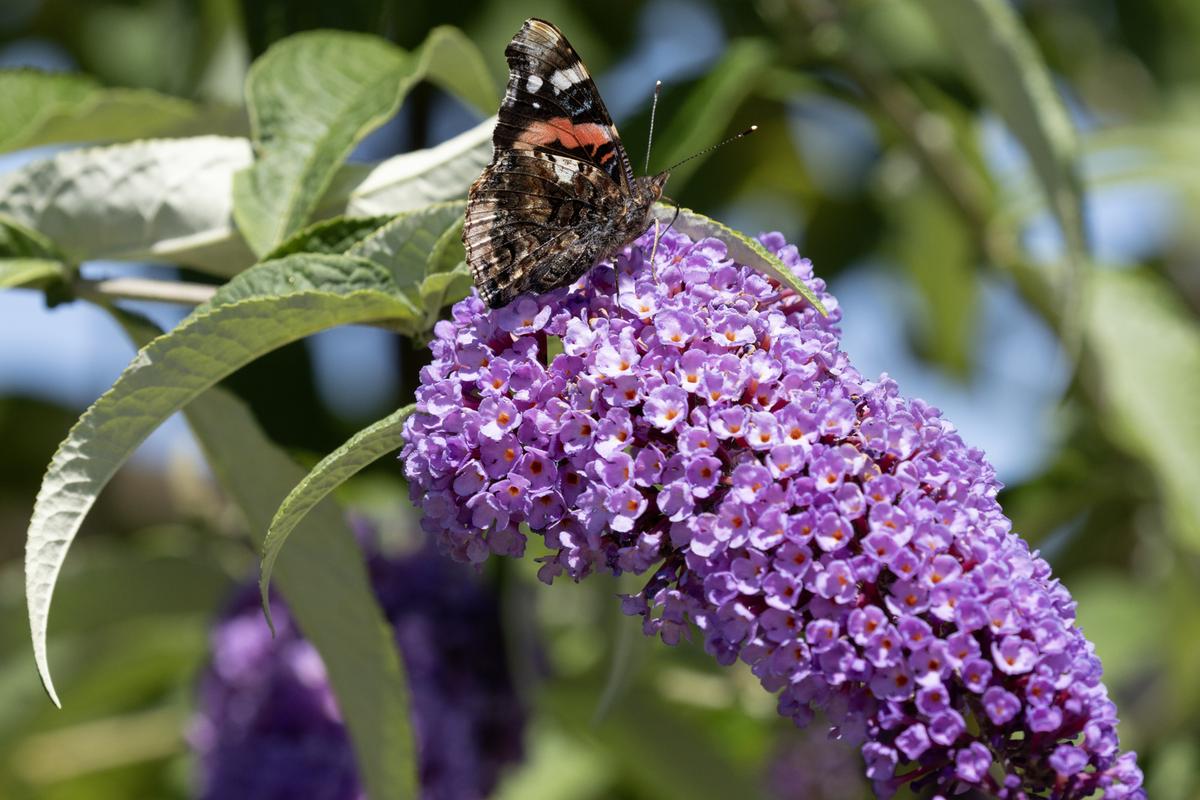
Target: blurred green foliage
922 82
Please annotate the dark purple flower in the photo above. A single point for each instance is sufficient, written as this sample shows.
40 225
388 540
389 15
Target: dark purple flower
839 538
268 726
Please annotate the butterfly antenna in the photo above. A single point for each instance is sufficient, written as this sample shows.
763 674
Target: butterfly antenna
653 108
708 150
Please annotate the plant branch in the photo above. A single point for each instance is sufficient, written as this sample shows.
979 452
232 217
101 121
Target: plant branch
107 290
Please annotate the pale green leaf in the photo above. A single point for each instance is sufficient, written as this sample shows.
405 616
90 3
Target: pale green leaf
1147 348
412 180
171 200
710 107
741 248
303 273
364 447
38 108
166 200
1003 63
18 241
448 251
443 288
235 328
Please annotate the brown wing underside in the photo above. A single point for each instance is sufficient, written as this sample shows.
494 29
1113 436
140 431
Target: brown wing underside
536 221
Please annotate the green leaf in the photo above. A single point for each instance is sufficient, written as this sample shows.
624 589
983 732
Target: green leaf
324 581
453 62
364 447
30 273
447 278
313 96
641 722
711 105
27 259
265 308
17 241
159 200
404 245
1006 68
741 248
937 252
332 236
1147 347
38 108
316 273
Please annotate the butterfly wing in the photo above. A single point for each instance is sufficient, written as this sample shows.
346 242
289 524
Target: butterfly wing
559 193
537 220
552 104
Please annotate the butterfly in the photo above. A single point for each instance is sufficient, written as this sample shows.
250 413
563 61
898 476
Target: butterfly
559 194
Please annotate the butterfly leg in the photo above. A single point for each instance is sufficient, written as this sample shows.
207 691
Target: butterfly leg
653 252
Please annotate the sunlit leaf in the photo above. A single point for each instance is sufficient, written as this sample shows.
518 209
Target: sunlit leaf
311 97
166 199
364 447
412 180
170 200
27 259
404 246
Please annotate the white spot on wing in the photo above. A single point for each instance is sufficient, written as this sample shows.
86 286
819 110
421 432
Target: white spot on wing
533 83
563 79
564 172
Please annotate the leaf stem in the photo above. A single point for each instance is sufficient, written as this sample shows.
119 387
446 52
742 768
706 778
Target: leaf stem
190 294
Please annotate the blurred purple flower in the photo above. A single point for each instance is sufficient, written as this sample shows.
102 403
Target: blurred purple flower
808 765
268 726
701 423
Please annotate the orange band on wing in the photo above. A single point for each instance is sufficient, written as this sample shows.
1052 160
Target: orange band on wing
572 136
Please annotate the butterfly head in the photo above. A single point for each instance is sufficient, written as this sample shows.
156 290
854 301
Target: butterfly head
647 191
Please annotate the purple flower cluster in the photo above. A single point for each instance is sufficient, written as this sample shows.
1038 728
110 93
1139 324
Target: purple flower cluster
268 726
692 419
